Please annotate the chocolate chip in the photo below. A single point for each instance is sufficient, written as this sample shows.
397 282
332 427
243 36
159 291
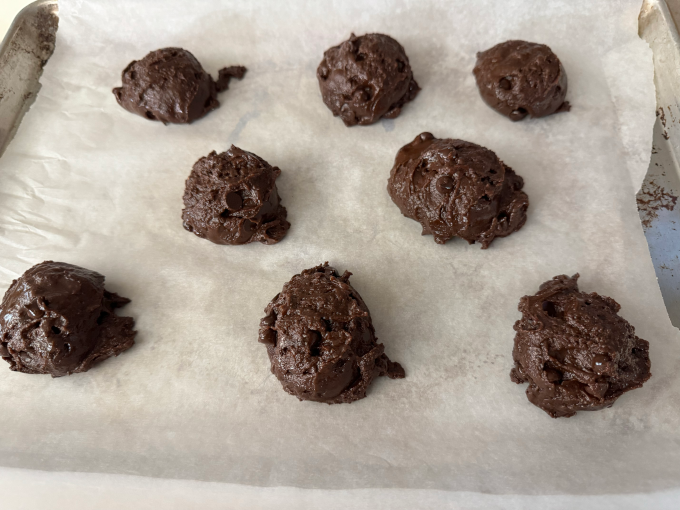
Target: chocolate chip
505 84
600 363
269 320
445 184
518 114
33 310
553 375
549 308
249 226
268 337
234 201
598 390
315 345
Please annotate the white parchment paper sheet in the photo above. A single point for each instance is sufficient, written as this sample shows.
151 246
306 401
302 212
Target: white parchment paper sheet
88 183
30 489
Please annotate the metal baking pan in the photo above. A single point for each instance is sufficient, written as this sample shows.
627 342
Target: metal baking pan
31 38
658 197
24 51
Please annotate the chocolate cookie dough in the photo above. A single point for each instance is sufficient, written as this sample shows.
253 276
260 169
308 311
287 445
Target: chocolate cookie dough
59 319
575 351
456 188
366 78
231 198
519 78
170 85
320 339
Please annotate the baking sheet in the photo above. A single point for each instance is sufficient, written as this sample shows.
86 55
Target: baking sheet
24 50
31 489
658 196
88 183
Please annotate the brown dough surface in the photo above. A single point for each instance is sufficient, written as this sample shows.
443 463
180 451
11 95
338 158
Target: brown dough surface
519 78
320 339
170 85
59 319
575 351
456 188
231 198
366 78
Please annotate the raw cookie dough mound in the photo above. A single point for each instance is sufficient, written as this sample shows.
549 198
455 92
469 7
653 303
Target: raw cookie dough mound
366 78
171 86
575 351
456 188
519 78
231 198
320 339
59 319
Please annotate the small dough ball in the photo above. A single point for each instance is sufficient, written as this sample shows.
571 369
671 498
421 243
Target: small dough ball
575 351
366 78
320 339
519 78
231 198
59 319
170 85
456 188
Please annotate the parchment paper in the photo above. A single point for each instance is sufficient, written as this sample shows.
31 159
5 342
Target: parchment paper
88 183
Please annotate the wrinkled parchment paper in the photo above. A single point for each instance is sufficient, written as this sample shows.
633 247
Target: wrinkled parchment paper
86 182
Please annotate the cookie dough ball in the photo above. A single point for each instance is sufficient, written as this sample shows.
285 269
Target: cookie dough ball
321 341
519 78
231 198
366 78
456 188
58 319
575 351
170 85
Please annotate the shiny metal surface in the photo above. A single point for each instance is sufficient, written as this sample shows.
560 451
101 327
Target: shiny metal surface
28 45
658 197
